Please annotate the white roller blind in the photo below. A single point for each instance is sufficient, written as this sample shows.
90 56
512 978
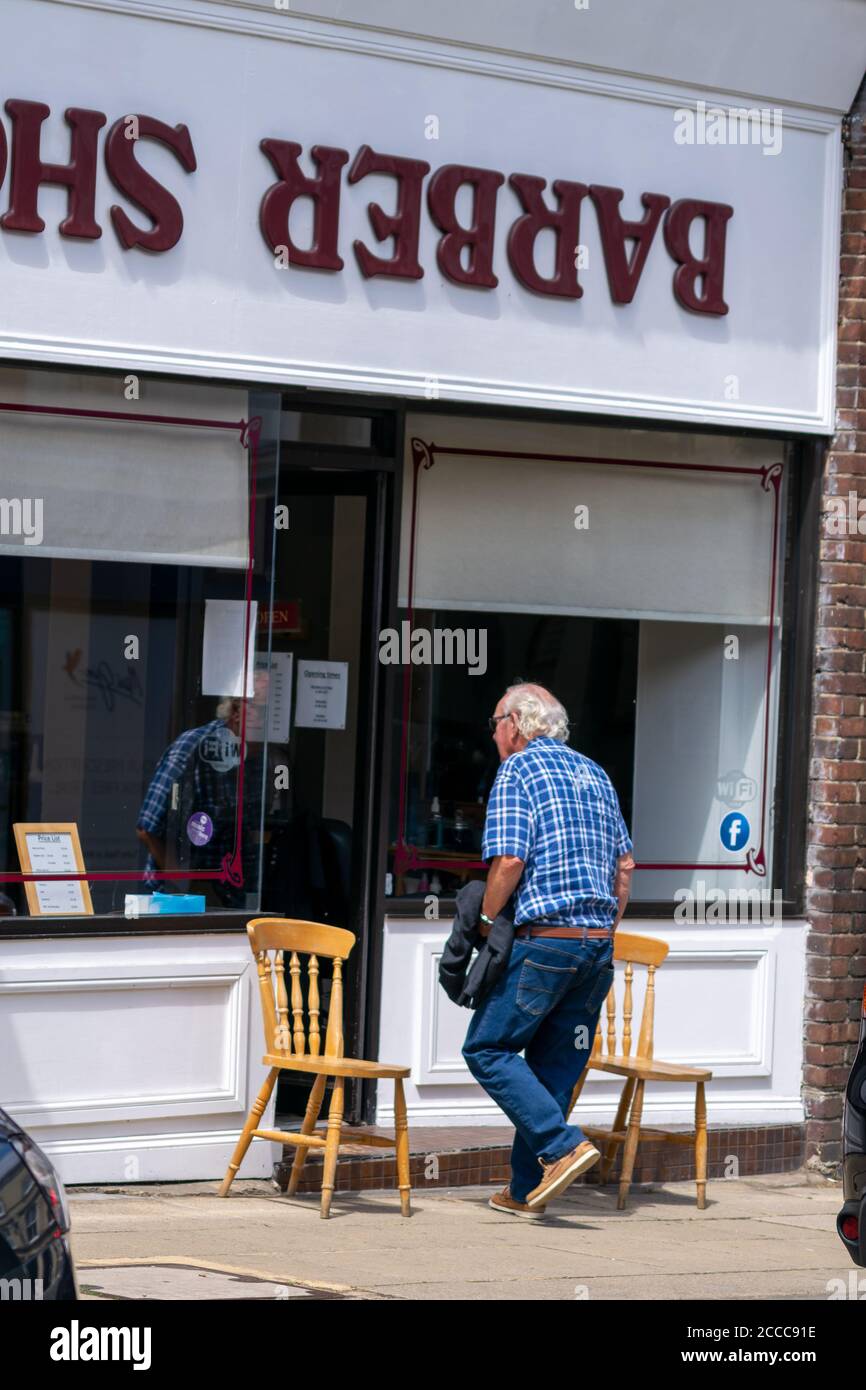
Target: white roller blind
699 725
117 490
499 534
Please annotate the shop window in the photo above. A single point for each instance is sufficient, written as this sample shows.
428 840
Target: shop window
122 623
635 574
591 663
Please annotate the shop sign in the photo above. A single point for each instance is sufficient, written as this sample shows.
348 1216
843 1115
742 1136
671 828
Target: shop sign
264 197
464 251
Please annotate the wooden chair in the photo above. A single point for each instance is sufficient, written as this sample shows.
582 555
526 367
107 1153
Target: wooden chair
639 1069
286 1049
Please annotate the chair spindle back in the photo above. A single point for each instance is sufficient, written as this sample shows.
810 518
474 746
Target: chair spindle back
634 950
296 938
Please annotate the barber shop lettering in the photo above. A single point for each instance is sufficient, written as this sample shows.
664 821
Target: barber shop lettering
464 249
28 172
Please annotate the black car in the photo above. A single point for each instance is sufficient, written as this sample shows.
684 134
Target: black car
35 1260
851 1221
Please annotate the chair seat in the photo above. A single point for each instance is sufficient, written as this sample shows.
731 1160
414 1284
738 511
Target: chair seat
334 1066
649 1069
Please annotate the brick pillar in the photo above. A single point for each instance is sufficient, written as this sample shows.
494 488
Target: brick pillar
836 837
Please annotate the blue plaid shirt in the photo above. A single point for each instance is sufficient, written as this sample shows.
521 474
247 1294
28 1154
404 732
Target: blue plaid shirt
203 764
170 769
558 812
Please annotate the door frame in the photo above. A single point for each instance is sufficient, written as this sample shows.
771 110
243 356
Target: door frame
376 707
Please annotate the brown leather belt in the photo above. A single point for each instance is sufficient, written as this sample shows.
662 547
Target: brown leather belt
531 929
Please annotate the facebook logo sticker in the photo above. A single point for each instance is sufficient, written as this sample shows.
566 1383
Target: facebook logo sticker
734 831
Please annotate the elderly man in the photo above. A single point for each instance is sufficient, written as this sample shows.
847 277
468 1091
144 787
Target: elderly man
555 833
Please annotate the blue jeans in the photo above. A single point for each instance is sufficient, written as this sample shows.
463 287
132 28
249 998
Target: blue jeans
553 987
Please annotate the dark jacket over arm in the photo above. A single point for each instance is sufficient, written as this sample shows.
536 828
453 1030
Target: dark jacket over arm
464 984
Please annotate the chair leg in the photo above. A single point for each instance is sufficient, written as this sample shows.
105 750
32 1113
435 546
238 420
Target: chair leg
701 1144
631 1143
402 1140
314 1105
260 1105
621 1114
332 1144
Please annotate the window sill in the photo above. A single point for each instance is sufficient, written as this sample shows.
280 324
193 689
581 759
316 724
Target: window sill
116 924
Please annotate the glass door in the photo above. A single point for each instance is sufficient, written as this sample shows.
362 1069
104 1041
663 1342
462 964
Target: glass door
319 837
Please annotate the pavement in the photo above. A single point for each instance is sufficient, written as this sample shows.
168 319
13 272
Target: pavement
767 1237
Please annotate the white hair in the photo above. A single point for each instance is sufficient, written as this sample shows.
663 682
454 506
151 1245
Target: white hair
225 706
538 713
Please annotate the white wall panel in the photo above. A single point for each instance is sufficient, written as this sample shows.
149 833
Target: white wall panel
133 1058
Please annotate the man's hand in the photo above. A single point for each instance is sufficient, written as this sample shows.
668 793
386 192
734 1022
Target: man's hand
625 866
503 877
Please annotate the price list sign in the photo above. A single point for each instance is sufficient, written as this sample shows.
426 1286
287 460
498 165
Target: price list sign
54 850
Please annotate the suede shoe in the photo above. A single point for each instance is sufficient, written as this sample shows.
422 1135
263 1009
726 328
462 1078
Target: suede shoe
561 1172
503 1201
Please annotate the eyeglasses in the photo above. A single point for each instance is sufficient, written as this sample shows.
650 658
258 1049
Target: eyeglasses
494 720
